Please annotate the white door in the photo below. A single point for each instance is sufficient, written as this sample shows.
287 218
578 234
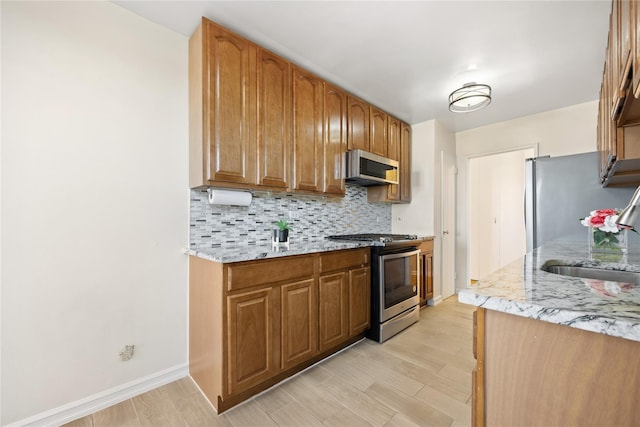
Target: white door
448 222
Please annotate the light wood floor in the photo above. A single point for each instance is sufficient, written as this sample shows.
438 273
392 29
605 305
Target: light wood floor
421 377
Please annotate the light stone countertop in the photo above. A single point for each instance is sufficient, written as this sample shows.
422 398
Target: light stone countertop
523 289
254 252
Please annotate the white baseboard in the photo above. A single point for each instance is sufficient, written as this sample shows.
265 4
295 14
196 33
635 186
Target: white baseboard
83 407
435 301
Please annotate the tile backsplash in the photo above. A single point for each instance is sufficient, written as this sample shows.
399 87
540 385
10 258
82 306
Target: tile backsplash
311 217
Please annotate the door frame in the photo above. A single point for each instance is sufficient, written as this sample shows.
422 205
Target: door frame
467 219
445 199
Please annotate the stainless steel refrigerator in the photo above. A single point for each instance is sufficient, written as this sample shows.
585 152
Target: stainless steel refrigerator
561 190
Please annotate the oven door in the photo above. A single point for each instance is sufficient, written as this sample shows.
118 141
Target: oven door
399 283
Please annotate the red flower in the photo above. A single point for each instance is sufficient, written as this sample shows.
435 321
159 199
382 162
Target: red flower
598 217
606 212
596 221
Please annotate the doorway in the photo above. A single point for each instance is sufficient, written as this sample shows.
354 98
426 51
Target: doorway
496 211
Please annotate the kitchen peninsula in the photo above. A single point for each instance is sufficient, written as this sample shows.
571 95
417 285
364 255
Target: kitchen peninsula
553 349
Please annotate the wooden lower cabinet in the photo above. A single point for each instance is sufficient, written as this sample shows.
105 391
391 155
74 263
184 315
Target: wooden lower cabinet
359 300
333 309
299 308
536 373
426 272
345 301
255 323
252 337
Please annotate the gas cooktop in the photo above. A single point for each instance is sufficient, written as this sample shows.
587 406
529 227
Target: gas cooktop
383 238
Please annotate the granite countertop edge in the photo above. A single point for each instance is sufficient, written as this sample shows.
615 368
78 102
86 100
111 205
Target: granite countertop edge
523 289
239 253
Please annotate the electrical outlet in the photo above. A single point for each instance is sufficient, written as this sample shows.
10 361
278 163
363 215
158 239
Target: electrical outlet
126 353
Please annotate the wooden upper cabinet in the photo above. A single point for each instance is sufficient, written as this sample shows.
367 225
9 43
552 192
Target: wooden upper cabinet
399 148
619 54
335 139
635 46
308 140
358 124
624 37
613 60
393 138
405 163
393 152
378 135
258 121
619 110
274 112
221 90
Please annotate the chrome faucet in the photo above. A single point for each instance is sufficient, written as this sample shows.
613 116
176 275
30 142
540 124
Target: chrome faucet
629 215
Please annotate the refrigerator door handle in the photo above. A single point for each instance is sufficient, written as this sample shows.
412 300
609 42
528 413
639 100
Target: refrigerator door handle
529 206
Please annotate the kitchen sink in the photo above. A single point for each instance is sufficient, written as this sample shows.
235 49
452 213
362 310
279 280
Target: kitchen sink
593 273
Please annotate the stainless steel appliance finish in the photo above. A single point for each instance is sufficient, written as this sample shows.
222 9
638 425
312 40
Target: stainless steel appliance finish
395 280
561 190
399 283
367 169
556 267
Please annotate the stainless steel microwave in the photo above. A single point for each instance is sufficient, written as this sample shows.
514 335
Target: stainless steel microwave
366 169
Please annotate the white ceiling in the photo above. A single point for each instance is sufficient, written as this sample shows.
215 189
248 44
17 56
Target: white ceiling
406 57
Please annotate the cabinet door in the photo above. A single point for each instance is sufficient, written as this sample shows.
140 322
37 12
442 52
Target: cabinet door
359 300
426 279
308 94
405 163
251 338
333 298
378 135
635 46
624 35
299 337
393 152
358 124
274 111
228 109
335 138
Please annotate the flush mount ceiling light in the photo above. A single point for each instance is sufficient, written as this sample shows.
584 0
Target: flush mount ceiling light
470 97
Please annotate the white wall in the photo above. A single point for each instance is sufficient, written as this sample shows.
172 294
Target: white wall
565 131
94 201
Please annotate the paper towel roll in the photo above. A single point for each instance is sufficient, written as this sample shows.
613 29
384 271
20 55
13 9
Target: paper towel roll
229 197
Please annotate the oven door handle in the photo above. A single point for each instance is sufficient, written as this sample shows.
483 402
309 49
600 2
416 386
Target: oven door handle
399 255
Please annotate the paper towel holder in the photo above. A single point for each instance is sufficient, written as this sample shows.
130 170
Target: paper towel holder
229 197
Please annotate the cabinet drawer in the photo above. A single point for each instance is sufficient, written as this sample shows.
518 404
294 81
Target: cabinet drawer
340 260
244 275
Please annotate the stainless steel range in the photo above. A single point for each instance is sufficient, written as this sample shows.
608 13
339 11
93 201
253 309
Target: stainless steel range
395 281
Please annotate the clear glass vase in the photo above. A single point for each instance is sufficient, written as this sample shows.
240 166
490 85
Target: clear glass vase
607 243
